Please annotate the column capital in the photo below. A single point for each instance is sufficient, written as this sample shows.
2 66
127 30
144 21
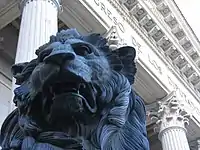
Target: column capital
170 114
56 3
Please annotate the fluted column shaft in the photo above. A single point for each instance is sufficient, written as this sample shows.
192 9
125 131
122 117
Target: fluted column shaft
39 22
174 139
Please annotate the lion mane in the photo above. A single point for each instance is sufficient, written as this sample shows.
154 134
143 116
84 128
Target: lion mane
77 94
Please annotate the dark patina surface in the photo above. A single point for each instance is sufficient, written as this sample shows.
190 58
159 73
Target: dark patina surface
77 95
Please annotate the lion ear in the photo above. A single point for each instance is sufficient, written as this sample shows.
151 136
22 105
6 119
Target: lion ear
22 71
123 61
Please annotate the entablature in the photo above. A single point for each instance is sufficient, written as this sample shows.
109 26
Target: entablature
162 26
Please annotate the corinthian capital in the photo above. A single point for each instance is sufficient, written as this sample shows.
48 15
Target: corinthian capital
170 114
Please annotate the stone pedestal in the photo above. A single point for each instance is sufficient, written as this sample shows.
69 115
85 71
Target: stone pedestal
172 119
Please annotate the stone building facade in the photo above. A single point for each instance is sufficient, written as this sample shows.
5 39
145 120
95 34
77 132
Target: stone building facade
168 57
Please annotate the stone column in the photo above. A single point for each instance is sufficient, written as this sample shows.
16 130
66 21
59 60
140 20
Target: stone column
171 124
198 144
39 21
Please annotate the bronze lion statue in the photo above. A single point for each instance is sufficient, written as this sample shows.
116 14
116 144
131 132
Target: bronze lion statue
77 94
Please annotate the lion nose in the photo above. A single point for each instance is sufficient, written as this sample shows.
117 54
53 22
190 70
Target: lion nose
61 54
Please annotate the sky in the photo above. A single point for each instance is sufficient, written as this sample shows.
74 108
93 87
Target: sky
191 11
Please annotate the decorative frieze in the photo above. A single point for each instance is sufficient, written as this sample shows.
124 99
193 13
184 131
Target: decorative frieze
187 45
149 25
195 56
171 21
140 13
166 44
130 4
194 79
164 10
173 53
158 35
179 34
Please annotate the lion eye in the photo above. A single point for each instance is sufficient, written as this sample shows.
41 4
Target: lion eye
82 50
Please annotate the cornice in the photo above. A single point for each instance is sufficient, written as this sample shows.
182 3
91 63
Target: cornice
181 41
184 24
181 63
176 63
165 49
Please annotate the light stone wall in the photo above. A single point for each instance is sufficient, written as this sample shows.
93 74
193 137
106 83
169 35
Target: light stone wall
5 88
7 55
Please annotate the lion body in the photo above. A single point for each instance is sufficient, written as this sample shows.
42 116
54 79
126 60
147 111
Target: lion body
76 95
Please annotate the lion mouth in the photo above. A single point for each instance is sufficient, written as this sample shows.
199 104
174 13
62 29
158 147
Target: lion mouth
81 90
66 87
69 97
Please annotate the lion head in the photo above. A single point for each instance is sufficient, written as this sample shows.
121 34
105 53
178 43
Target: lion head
75 94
